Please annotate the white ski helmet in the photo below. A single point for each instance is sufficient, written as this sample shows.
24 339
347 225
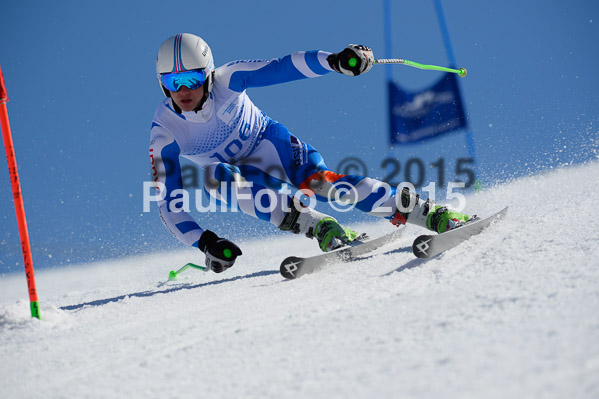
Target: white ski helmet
185 52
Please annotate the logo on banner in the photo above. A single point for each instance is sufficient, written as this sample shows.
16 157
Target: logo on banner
422 104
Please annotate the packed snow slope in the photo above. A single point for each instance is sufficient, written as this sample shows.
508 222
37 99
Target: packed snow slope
513 312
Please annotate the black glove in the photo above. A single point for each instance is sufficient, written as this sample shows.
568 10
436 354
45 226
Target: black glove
353 61
220 252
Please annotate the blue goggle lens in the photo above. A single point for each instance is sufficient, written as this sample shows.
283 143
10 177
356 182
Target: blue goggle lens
191 79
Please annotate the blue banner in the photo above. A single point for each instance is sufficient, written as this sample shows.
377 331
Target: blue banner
417 116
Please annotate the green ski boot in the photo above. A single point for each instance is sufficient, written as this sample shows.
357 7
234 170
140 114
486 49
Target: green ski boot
426 214
311 223
441 219
331 235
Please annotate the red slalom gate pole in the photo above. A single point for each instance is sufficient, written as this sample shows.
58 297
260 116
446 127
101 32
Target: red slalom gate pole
18 199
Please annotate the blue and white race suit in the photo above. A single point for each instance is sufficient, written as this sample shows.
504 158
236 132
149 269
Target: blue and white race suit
234 141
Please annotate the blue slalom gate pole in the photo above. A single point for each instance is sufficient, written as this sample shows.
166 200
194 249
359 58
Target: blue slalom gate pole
453 63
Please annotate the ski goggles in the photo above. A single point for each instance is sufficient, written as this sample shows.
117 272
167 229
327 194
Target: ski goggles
191 79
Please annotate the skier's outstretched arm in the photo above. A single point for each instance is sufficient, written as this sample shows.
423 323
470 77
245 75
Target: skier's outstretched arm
166 169
240 75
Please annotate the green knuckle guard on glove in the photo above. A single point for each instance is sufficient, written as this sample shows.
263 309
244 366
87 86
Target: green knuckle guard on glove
354 60
220 252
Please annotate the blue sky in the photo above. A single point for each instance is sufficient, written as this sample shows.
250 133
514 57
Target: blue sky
82 88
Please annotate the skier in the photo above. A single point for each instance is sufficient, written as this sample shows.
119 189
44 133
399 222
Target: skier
208 118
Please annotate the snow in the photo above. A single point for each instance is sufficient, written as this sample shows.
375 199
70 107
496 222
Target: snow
513 312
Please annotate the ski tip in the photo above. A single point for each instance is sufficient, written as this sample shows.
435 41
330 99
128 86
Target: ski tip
290 267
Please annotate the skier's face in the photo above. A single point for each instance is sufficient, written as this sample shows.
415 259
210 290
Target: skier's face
186 98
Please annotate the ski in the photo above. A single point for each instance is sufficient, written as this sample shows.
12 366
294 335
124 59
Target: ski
295 266
427 246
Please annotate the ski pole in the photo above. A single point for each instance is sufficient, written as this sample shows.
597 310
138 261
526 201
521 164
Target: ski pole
18 200
461 72
173 274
